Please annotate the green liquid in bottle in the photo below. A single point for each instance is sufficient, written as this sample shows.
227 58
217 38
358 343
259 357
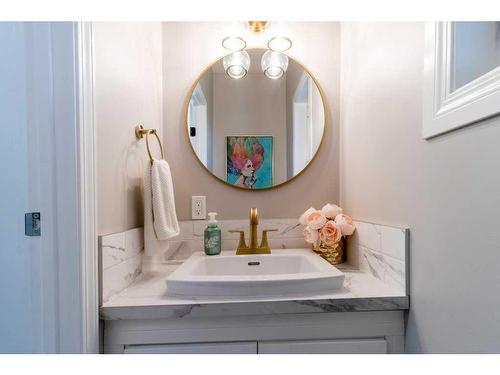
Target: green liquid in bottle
212 236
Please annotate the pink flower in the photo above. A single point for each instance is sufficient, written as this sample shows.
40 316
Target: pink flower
310 236
330 234
315 220
345 224
303 217
331 210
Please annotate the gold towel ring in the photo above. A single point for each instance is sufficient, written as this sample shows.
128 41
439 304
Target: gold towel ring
140 131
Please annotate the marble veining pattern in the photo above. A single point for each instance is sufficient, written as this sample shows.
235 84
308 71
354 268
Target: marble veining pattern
381 251
148 299
117 247
190 240
375 276
121 276
121 260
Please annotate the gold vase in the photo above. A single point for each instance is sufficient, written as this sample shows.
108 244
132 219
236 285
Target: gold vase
333 254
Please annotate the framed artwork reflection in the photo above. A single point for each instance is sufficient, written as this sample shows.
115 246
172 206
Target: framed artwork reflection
249 161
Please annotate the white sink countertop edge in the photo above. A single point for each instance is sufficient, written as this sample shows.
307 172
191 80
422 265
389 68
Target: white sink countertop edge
150 290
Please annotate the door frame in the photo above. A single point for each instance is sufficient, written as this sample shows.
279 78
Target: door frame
67 297
89 295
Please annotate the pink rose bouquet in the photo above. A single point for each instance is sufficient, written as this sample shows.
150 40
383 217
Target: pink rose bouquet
326 226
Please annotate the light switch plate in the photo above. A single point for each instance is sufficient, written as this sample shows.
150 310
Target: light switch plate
198 207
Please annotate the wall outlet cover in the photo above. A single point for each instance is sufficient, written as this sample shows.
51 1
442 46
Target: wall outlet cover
198 207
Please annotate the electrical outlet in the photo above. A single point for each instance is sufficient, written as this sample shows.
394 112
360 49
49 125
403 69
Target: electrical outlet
198 207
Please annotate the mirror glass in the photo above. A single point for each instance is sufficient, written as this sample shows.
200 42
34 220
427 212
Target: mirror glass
475 51
255 131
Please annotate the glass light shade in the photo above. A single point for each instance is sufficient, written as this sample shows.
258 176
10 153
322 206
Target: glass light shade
234 43
236 64
279 44
274 64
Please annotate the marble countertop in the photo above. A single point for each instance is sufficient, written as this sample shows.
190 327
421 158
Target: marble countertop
147 298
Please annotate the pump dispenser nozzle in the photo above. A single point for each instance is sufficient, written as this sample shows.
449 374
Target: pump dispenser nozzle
212 216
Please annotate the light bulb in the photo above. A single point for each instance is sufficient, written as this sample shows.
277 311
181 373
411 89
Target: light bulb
279 44
274 64
234 43
236 64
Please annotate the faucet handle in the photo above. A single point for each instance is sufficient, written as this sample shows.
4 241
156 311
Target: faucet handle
241 243
264 244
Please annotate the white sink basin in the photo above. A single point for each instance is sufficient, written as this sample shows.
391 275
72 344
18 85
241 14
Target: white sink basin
291 271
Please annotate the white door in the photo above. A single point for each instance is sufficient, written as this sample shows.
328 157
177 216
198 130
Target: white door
197 119
302 129
40 281
301 142
16 319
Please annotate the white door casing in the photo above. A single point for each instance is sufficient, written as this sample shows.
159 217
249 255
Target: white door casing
51 280
89 297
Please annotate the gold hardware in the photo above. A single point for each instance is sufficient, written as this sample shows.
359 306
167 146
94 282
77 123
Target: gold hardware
264 244
241 243
141 131
257 27
254 223
253 248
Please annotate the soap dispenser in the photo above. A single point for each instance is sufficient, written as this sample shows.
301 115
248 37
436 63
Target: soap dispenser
212 236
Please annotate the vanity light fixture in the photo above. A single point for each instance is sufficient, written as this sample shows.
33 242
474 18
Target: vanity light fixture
274 64
236 64
234 43
279 44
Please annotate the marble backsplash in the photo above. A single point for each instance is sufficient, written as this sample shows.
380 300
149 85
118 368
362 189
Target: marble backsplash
288 236
381 251
121 258
375 249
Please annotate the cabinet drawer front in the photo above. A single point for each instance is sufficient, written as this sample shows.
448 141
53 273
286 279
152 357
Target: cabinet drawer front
354 346
199 348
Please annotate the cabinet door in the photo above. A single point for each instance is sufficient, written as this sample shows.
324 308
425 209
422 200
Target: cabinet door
354 346
198 348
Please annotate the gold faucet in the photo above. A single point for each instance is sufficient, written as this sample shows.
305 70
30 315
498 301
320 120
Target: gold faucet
264 248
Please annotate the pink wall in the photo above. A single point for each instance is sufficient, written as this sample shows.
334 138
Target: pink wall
188 48
127 92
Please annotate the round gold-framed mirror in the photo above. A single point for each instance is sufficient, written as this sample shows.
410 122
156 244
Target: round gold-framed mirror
254 119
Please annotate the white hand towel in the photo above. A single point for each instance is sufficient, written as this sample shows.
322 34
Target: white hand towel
160 218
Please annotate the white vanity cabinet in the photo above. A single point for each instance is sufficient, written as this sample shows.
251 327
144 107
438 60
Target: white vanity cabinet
368 332
365 315
358 346
194 348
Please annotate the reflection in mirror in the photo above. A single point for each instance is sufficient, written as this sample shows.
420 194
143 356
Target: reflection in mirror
255 132
475 51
